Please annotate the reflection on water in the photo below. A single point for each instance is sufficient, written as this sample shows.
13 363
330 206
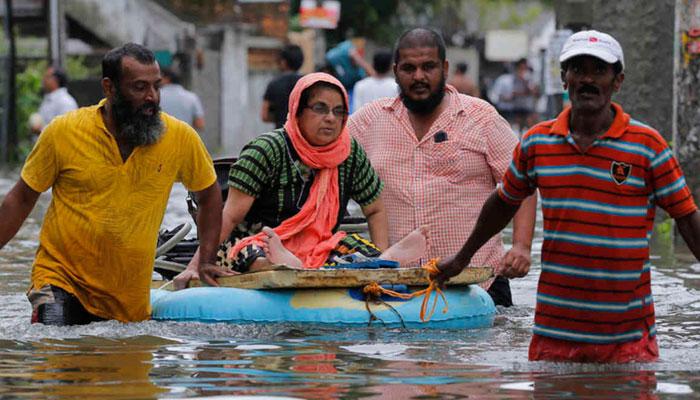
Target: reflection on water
90 367
182 360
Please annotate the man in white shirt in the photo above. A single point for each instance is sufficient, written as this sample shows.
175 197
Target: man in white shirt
56 101
514 95
382 84
501 94
180 102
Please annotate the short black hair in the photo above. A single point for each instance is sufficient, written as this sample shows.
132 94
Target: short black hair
306 94
617 66
60 75
112 61
462 67
327 68
382 61
420 37
293 56
521 61
171 74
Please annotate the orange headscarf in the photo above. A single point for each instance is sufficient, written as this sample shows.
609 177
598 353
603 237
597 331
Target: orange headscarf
309 233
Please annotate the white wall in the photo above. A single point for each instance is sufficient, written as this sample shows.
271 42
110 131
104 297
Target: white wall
122 21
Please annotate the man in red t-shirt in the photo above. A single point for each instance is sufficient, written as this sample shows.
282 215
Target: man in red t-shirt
600 175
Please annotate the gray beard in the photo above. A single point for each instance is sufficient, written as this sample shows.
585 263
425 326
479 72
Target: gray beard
133 126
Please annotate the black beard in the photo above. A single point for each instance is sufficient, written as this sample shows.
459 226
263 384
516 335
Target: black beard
428 105
133 125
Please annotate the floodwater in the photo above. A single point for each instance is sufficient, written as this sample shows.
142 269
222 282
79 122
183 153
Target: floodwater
187 360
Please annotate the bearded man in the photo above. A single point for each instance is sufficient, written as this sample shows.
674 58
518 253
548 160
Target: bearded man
440 153
110 168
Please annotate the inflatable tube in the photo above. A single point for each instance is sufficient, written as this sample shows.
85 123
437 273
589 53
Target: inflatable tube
469 307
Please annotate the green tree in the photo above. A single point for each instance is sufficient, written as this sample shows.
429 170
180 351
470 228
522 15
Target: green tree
28 84
383 20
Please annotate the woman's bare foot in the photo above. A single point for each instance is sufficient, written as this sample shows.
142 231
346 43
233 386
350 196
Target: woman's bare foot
261 264
410 248
275 252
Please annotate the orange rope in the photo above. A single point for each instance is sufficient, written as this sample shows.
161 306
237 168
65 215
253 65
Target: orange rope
431 267
375 290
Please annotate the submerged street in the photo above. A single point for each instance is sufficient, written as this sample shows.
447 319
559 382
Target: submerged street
179 360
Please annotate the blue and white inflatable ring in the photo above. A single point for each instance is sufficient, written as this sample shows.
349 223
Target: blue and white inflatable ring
469 307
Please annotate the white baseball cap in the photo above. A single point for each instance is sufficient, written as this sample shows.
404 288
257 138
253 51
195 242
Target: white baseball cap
593 43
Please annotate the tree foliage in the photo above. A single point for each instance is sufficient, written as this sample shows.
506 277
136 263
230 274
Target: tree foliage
383 20
28 84
367 18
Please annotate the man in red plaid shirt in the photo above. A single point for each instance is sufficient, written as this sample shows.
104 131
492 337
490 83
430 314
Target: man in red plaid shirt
440 154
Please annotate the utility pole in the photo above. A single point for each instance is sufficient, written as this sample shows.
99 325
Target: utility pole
575 15
686 118
57 32
571 16
8 135
647 39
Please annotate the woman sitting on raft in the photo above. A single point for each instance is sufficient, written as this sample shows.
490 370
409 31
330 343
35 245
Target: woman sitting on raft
298 180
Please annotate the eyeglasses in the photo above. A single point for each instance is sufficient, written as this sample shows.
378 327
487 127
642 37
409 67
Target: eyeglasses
323 109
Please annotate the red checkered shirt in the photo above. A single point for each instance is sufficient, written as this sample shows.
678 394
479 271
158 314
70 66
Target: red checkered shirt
443 180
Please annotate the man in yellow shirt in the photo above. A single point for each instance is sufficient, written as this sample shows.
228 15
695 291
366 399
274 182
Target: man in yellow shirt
110 168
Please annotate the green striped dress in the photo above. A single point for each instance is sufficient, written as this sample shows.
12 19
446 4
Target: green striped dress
270 170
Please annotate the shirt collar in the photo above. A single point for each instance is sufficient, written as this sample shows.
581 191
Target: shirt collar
617 128
62 91
99 121
171 85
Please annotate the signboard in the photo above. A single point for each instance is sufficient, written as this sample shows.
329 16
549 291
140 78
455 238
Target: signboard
552 70
505 45
319 14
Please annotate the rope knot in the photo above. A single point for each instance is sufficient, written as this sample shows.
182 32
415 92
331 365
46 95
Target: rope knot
374 290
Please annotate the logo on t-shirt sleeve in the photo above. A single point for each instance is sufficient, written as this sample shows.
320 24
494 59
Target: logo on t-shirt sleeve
620 171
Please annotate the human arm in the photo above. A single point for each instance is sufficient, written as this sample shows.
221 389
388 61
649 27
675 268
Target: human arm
474 90
508 165
689 227
265 114
494 216
366 191
235 209
197 113
518 259
17 205
36 123
42 116
673 195
357 58
208 228
266 110
198 124
378 223
357 97
503 88
237 206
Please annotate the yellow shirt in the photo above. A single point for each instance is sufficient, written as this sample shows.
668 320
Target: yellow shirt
99 235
